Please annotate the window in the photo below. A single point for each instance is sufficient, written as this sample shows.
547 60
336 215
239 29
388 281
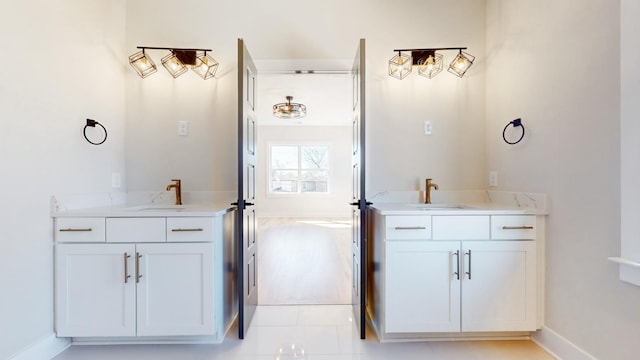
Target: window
296 169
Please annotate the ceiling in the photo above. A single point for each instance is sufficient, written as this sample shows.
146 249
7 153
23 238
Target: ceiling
327 97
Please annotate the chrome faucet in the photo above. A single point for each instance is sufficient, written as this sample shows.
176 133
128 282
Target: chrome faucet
176 185
427 192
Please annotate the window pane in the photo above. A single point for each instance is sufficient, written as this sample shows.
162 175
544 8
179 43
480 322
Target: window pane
314 181
315 157
284 186
284 180
284 157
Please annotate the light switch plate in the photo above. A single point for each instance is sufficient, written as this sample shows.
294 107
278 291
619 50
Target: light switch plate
183 128
427 127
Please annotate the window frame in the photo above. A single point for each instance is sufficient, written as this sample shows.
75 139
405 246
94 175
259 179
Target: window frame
299 169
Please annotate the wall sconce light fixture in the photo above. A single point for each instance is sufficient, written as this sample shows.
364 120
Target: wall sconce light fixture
289 110
430 62
177 62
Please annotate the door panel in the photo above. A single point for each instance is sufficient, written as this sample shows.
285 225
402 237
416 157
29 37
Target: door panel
246 241
358 200
167 303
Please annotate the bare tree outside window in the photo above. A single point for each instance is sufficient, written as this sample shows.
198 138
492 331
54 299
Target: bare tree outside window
299 169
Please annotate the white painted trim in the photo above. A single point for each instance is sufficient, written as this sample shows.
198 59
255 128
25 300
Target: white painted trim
558 346
46 348
629 270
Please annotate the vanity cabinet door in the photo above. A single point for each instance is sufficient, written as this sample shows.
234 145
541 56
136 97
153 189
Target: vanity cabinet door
499 286
422 288
93 297
175 289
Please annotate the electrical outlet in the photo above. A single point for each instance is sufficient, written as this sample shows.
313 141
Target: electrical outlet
493 178
427 127
183 128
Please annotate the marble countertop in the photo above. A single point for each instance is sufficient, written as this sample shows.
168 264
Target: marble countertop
452 209
149 210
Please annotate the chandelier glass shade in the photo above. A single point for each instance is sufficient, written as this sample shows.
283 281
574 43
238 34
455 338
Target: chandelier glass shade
400 65
174 66
142 64
430 66
461 64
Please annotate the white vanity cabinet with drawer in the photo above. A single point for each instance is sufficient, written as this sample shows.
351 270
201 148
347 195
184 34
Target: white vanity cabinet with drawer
465 274
135 277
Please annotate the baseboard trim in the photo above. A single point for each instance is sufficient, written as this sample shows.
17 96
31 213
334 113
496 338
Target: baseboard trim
46 348
558 346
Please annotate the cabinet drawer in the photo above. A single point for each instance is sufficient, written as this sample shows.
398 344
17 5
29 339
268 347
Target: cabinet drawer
461 227
408 227
190 229
513 227
130 230
79 230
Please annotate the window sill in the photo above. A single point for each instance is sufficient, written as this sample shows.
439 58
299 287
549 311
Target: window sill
629 270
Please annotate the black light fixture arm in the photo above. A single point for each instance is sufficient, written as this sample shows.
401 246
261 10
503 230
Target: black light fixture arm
171 49
418 54
433 49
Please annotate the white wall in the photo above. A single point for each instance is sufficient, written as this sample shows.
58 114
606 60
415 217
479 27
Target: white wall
61 63
400 156
556 66
338 138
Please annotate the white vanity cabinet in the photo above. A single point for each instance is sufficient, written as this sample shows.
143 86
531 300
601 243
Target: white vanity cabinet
465 274
135 283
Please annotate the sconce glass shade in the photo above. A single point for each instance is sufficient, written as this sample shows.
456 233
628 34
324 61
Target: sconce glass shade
143 65
205 66
174 66
400 66
289 110
430 66
461 63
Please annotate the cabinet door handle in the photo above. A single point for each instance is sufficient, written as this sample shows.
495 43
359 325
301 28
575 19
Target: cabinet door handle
185 230
517 228
469 272
410 228
126 268
457 272
138 275
75 230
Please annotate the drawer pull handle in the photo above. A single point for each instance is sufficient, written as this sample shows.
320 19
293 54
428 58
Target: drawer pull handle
75 230
457 272
184 230
126 268
410 228
469 272
517 228
138 275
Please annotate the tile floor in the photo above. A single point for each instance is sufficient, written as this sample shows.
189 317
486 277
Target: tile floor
322 331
